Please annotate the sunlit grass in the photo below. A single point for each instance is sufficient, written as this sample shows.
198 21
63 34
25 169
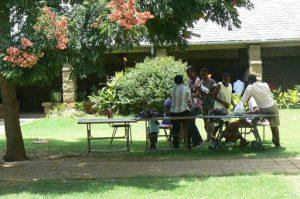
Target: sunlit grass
69 138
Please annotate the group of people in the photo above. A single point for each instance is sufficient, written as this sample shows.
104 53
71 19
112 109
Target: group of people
206 95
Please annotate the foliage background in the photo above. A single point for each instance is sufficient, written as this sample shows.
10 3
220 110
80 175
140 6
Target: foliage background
144 87
289 98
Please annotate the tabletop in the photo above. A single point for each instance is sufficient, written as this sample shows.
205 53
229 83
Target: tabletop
107 120
132 120
243 116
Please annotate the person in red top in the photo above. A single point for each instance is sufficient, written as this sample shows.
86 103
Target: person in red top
196 104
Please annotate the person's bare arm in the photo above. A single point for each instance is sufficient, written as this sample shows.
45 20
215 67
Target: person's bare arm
215 95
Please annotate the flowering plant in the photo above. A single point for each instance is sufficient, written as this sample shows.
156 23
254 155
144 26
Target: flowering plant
54 27
21 57
127 15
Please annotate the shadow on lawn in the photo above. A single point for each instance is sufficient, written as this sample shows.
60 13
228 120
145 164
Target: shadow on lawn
59 148
100 186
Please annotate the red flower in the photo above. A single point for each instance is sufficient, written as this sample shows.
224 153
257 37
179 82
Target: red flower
126 14
55 27
22 58
25 43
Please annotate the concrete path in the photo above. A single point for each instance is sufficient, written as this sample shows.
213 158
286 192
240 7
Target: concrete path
89 167
24 118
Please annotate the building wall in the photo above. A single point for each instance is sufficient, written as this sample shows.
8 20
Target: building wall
234 61
281 66
31 97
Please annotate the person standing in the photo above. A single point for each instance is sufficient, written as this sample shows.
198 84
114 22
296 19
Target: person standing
238 87
181 97
223 93
207 88
196 104
260 91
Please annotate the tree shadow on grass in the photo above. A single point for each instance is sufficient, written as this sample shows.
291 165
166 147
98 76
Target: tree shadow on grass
78 148
100 186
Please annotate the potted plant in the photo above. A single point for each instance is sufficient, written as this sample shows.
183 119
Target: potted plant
56 96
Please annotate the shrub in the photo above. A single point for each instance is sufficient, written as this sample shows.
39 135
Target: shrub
107 96
289 98
62 110
149 83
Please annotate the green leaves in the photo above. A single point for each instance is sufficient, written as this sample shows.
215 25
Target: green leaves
92 34
289 98
149 83
107 96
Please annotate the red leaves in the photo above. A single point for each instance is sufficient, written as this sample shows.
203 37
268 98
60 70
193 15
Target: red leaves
54 27
22 58
26 43
127 15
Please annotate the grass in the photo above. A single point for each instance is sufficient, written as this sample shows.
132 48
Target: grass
236 186
67 138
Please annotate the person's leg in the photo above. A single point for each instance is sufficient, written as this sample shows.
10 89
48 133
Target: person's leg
205 112
175 130
208 126
274 123
194 132
275 136
153 139
187 126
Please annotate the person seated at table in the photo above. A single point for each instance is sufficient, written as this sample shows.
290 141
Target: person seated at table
154 130
232 133
167 109
267 105
181 97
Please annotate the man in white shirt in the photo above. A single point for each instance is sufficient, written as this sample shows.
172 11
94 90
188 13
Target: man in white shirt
238 87
261 93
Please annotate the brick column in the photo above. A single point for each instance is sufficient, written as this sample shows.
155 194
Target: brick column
69 85
255 63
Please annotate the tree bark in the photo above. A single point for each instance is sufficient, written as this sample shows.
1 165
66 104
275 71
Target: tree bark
15 150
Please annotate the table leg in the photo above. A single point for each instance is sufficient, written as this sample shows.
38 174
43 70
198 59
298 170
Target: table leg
147 140
88 129
127 136
256 133
187 136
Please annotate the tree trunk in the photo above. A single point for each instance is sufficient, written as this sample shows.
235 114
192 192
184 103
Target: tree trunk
15 150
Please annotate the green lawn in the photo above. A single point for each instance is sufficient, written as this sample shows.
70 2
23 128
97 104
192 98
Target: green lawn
68 138
237 186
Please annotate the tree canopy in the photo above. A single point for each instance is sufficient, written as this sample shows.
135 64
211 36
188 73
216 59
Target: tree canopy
91 31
